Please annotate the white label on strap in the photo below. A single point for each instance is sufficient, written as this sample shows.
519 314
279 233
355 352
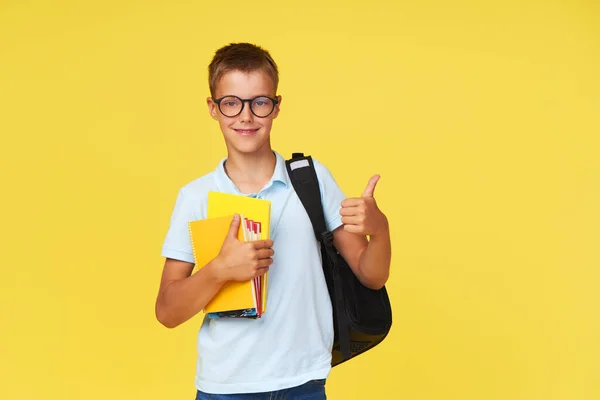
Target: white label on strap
299 164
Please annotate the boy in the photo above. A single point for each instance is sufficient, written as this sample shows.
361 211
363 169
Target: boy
287 352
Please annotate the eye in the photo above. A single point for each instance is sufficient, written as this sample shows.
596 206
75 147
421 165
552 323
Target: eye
230 102
262 102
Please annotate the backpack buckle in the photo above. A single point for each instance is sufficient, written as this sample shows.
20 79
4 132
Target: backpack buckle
327 238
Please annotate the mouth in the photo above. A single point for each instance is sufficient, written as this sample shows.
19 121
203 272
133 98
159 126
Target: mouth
246 132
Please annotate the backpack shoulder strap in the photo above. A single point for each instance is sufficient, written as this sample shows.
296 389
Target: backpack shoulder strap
303 176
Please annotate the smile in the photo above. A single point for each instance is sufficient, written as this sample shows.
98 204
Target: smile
246 132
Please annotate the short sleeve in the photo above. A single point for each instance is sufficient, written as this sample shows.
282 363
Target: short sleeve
177 244
331 196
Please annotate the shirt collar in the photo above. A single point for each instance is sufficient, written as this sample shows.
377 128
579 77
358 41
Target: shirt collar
225 184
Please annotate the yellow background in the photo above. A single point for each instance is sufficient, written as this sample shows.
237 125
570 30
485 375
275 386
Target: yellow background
481 117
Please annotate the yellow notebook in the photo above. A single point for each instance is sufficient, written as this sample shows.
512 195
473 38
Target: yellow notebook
253 209
235 299
207 237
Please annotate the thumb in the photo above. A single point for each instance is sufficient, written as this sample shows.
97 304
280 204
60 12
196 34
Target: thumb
370 189
233 228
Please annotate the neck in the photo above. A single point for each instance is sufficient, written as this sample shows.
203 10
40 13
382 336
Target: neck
250 172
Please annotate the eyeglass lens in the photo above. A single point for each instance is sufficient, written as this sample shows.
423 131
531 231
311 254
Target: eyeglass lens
231 106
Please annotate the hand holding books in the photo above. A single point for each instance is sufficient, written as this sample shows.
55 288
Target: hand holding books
240 246
243 261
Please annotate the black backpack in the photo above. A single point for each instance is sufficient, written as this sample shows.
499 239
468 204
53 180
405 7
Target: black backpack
362 316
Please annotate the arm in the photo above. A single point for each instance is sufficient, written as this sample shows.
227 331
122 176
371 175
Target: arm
369 259
181 295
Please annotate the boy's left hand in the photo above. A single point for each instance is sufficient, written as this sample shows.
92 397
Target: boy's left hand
361 215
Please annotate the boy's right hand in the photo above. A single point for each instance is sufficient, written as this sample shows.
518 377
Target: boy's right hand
242 261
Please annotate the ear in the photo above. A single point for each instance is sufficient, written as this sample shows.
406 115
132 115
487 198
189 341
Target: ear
212 108
276 112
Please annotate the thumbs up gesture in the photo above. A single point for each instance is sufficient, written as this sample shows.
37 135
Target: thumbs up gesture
361 215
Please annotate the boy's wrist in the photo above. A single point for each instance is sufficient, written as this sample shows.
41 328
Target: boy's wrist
384 231
215 271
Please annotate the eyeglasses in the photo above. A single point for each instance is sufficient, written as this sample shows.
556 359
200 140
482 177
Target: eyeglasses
232 106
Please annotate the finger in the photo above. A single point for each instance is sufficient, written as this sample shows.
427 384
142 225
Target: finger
370 189
260 271
352 202
352 229
262 244
349 211
264 253
234 227
352 220
264 263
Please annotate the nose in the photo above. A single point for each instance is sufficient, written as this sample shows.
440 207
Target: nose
246 114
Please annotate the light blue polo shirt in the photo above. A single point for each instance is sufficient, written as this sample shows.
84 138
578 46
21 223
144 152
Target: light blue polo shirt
291 343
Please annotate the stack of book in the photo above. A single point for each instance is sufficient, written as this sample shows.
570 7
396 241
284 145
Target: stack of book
235 299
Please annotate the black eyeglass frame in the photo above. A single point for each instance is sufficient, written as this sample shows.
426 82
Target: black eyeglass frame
244 101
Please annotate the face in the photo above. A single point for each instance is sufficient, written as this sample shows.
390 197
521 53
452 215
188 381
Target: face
245 133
